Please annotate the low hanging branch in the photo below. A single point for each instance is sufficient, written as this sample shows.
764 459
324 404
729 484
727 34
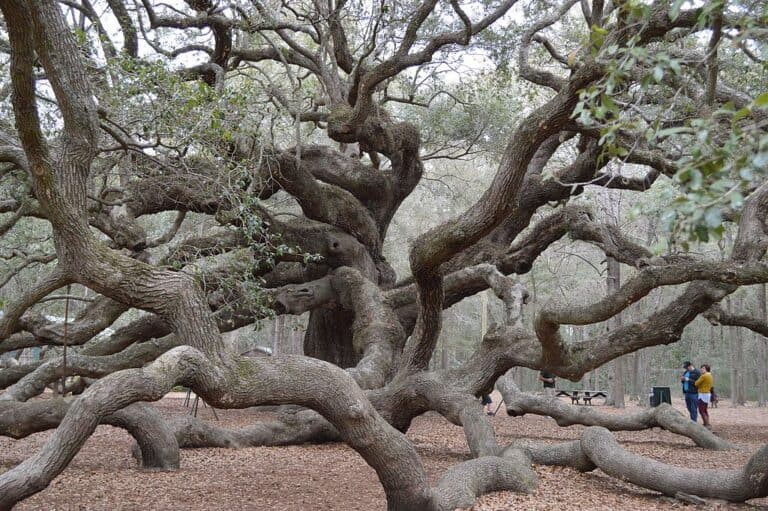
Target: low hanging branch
664 416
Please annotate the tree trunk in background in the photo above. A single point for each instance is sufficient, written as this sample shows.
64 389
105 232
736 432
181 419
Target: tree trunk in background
444 355
278 327
762 352
736 344
617 366
731 353
741 388
529 380
637 391
593 378
645 382
635 384
518 374
578 336
295 334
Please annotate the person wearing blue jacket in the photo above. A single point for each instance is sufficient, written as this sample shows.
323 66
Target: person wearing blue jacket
690 392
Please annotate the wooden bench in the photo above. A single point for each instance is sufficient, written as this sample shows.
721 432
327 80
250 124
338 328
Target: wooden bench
585 395
589 394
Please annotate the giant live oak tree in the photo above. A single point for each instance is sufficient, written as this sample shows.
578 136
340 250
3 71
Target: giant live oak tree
127 110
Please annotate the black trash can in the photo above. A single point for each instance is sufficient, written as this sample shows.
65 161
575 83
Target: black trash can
661 395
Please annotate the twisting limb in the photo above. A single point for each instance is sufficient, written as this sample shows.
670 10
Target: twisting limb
98 315
293 428
527 71
11 314
716 315
510 292
155 440
566 454
739 485
597 448
258 381
663 416
437 246
377 333
228 381
462 484
26 263
135 355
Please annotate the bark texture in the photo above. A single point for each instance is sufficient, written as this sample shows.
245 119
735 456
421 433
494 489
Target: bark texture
663 416
380 335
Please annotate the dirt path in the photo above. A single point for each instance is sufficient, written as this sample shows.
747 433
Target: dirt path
332 477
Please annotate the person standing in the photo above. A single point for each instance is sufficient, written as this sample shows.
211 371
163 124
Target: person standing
690 392
487 404
548 382
704 385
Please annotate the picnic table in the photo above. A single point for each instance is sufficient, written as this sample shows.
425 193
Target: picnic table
584 395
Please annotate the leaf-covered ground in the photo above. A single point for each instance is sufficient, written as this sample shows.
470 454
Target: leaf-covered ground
325 477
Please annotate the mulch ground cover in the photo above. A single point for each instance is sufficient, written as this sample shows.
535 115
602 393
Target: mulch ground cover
103 476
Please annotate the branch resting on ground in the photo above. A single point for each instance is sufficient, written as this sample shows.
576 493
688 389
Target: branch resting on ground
663 416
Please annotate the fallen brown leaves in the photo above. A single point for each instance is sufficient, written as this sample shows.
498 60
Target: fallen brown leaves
103 476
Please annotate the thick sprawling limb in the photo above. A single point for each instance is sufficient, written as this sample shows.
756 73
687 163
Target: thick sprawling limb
597 448
718 316
462 484
157 445
83 365
11 313
735 485
376 332
566 454
292 428
664 416
61 176
97 316
256 381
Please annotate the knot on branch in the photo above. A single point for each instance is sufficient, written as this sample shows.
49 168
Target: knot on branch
713 316
573 214
297 299
339 128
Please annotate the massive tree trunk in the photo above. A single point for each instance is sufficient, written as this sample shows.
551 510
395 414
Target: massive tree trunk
346 205
329 337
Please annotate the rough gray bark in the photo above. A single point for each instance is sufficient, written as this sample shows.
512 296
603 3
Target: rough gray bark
733 485
157 446
347 206
664 416
302 427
